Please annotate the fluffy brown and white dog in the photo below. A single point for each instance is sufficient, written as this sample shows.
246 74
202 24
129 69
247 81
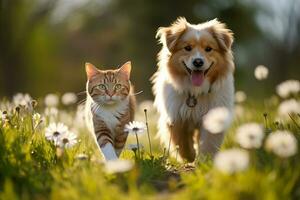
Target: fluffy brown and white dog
195 74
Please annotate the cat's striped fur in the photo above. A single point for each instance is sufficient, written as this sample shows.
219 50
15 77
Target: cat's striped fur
109 106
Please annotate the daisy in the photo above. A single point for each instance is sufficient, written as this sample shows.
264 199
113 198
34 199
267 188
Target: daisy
250 135
135 127
289 107
240 96
118 166
69 98
231 161
67 140
217 120
282 143
287 88
54 131
261 72
51 100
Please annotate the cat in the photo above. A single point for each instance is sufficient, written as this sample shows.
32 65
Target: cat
110 105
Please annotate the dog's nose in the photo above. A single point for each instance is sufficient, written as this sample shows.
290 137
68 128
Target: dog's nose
198 62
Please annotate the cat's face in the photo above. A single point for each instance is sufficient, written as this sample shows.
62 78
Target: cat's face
108 87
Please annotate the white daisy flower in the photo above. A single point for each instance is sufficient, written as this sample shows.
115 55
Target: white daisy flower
250 135
217 120
54 131
282 143
240 96
286 88
69 98
261 72
231 161
67 140
51 100
22 99
135 127
289 107
118 166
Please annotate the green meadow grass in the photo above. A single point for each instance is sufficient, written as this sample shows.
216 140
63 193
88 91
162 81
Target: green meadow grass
32 168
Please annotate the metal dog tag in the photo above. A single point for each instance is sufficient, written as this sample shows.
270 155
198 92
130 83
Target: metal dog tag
191 101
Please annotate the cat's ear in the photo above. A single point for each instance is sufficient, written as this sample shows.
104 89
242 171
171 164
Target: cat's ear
126 69
91 70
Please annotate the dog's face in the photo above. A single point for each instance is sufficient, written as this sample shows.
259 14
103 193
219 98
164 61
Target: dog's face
198 51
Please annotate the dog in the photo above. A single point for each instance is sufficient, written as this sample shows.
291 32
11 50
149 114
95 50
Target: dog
194 75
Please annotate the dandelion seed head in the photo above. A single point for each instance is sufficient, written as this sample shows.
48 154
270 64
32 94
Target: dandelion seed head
240 96
261 72
217 120
288 87
250 135
282 143
231 161
69 98
51 100
288 107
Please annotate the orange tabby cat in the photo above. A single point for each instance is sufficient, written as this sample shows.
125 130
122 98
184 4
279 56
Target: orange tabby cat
109 106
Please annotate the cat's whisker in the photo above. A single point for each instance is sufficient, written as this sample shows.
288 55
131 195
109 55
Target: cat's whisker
137 93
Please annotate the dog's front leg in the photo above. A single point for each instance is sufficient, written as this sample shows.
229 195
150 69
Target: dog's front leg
182 135
210 143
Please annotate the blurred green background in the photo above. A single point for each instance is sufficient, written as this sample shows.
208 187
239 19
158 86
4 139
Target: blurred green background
45 43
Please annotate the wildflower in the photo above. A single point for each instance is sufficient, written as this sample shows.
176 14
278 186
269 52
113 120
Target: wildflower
135 127
67 140
250 135
240 96
282 143
261 72
217 120
54 131
69 98
289 107
51 100
232 160
22 99
286 88
118 166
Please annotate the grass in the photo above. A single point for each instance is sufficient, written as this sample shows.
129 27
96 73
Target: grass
32 168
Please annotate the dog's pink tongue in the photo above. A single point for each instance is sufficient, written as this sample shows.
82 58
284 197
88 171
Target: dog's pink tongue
197 78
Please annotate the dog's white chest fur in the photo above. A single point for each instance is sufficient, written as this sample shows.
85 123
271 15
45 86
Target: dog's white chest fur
171 102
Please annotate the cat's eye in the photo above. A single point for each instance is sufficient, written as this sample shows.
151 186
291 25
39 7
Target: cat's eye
208 49
118 86
188 48
101 87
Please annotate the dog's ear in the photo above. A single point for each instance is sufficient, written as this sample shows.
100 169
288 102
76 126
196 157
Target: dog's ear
222 34
169 36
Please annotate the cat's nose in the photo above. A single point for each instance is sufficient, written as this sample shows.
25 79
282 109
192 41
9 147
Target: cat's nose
110 94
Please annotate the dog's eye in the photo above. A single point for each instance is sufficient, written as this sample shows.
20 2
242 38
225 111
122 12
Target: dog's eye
188 48
208 49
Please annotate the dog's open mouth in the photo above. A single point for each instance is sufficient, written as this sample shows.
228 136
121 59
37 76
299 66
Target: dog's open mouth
197 76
